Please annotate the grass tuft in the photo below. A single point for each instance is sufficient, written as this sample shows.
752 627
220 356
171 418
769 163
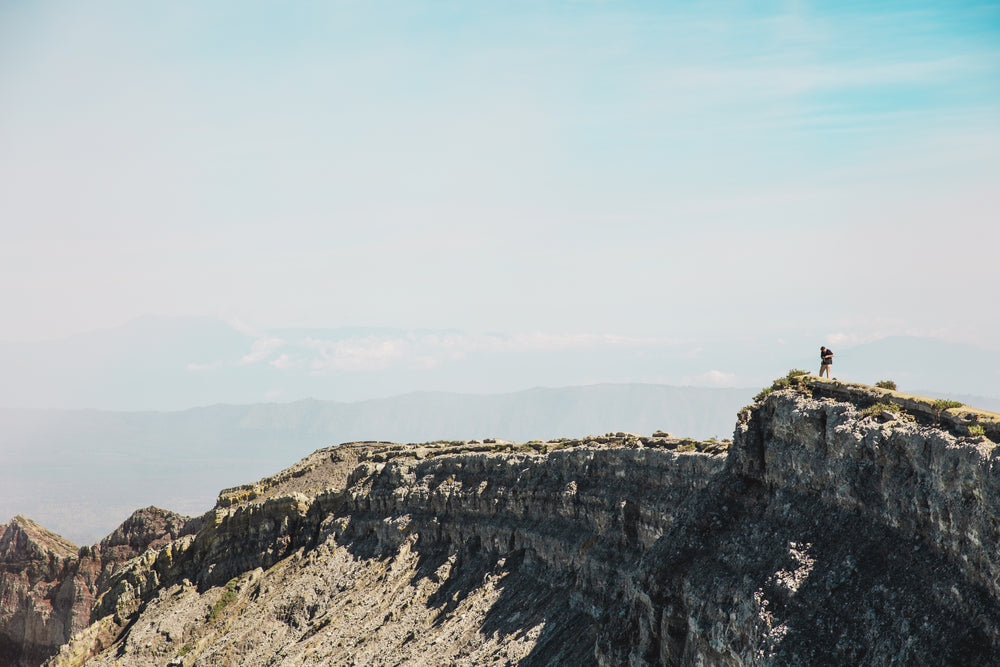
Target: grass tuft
879 408
792 380
227 598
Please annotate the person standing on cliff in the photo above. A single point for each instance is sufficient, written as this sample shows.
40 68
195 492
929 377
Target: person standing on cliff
825 361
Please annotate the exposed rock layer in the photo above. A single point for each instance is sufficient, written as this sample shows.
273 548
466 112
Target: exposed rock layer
48 585
823 536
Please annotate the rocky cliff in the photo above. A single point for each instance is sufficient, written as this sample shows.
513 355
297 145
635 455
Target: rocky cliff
840 527
38 611
48 585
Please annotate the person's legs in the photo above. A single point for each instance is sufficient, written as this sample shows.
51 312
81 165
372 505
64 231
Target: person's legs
824 368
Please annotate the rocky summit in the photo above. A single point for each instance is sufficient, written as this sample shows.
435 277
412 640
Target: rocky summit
48 586
843 524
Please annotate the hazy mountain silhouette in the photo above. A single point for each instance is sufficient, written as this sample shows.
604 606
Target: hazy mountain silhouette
81 472
926 365
391 384
173 364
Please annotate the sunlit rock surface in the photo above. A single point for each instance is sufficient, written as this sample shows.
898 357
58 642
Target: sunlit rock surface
48 585
829 532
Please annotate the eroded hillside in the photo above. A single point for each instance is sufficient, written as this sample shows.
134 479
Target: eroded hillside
48 586
835 529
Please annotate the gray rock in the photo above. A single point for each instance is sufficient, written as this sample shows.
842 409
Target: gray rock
817 538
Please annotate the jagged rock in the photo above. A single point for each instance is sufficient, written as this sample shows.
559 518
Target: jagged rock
48 586
815 537
35 606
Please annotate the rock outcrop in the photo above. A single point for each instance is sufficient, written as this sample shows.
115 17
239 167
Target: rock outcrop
832 537
48 586
832 531
39 607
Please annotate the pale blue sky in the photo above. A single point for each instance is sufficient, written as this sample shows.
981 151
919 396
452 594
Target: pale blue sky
626 168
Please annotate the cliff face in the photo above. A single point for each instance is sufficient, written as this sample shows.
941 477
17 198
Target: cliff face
48 585
827 533
830 538
37 612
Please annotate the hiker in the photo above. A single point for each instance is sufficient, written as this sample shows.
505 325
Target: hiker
825 361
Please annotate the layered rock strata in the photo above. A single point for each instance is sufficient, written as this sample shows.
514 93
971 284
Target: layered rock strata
48 586
958 418
826 534
40 605
830 538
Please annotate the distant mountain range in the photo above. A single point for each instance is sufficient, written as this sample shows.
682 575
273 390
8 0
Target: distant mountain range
924 365
79 421
172 364
81 472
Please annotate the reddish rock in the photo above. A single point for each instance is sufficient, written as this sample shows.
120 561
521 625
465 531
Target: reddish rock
48 585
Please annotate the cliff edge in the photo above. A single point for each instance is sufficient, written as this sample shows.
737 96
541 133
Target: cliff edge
835 528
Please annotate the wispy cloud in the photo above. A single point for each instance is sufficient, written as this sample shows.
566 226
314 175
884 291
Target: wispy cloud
198 368
412 350
359 354
430 350
261 349
284 362
714 378
862 336
547 341
631 138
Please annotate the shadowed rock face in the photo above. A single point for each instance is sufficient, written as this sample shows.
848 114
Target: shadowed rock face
48 585
822 536
828 539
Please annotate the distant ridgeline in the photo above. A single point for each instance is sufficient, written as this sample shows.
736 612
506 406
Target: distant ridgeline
180 459
844 524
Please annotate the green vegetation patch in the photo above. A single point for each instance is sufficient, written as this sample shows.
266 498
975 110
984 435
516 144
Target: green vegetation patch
227 598
886 384
977 429
763 394
794 379
941 404
877 410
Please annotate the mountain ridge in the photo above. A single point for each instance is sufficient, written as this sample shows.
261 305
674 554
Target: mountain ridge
179 363
843 524
82 472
